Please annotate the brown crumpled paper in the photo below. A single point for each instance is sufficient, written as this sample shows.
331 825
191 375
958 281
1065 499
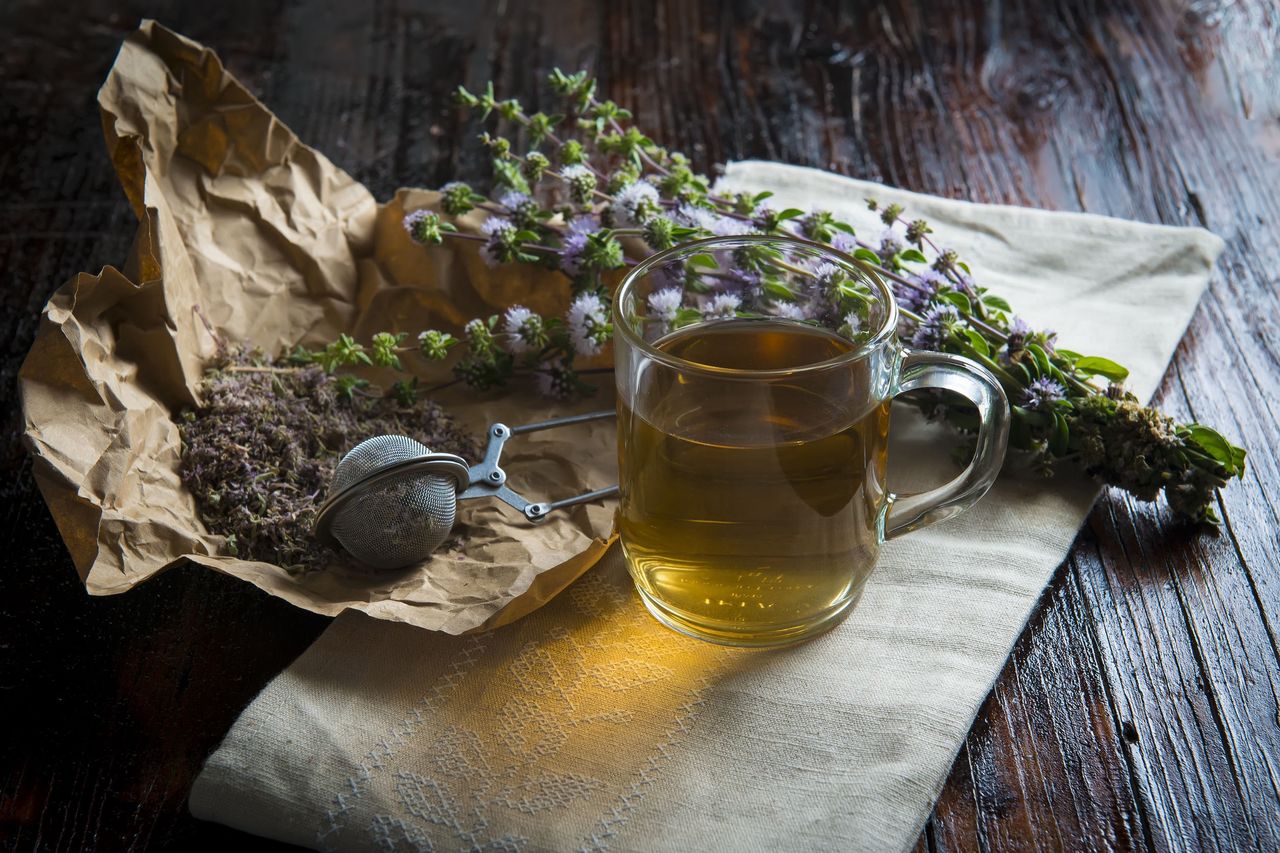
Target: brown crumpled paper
248 236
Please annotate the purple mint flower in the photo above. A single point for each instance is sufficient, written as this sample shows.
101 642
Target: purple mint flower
1021 334
501 233
1042 394
580 228
827 280
512 199
915 296
555 380
935 327
890 245
413 220
826 273
843 242
672 274
744 283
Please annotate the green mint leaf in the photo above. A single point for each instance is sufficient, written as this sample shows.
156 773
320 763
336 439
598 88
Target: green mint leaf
1042 359
685 317
868 256
1061 438
1211 442
978 342
958 299
778 290
1099 366
996 302
915 256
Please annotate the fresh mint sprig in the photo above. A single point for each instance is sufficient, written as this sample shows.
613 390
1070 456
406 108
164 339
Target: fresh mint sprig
591 194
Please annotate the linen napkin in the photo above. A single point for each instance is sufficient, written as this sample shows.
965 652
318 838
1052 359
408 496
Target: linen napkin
588 726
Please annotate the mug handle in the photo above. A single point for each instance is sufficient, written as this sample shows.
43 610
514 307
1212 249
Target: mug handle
922 369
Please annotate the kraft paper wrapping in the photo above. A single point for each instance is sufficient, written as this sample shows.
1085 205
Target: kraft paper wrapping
248 236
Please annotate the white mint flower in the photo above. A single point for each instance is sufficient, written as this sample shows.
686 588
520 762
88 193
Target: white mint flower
723 306
854 322
516 325
727 226
587 324
666 302
721 226
635 204
790 311
695 217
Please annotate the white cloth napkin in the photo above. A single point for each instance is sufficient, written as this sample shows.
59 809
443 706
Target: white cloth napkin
589 726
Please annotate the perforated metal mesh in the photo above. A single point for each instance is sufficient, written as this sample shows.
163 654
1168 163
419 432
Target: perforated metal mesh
397 522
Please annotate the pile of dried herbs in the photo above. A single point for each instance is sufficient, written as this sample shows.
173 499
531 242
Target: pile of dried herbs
259 453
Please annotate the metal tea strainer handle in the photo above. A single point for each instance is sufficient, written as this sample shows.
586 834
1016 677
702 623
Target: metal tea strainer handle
393 501
487 479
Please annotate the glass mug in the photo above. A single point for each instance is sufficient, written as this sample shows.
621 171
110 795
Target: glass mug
753 436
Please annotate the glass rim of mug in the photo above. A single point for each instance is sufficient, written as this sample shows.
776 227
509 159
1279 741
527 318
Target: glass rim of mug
888 324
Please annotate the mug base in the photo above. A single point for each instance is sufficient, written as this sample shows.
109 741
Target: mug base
754 638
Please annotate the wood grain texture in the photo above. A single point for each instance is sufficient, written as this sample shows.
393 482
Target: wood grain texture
1140 709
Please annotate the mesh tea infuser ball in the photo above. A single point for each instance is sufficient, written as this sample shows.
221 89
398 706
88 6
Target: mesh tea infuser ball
393 501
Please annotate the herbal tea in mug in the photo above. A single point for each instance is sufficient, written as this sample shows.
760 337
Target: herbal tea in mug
753 435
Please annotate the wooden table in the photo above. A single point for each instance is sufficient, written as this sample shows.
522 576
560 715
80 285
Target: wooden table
1141 708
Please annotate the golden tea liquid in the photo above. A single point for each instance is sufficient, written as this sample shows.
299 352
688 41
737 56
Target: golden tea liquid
748 509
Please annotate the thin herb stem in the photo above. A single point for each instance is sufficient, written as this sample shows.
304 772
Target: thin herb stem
498 209
252 368
560 177
478 238
524 119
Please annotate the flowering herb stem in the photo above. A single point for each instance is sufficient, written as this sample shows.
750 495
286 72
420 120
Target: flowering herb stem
622 185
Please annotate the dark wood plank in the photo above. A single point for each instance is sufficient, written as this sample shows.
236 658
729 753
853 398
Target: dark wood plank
1139 708
110 704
